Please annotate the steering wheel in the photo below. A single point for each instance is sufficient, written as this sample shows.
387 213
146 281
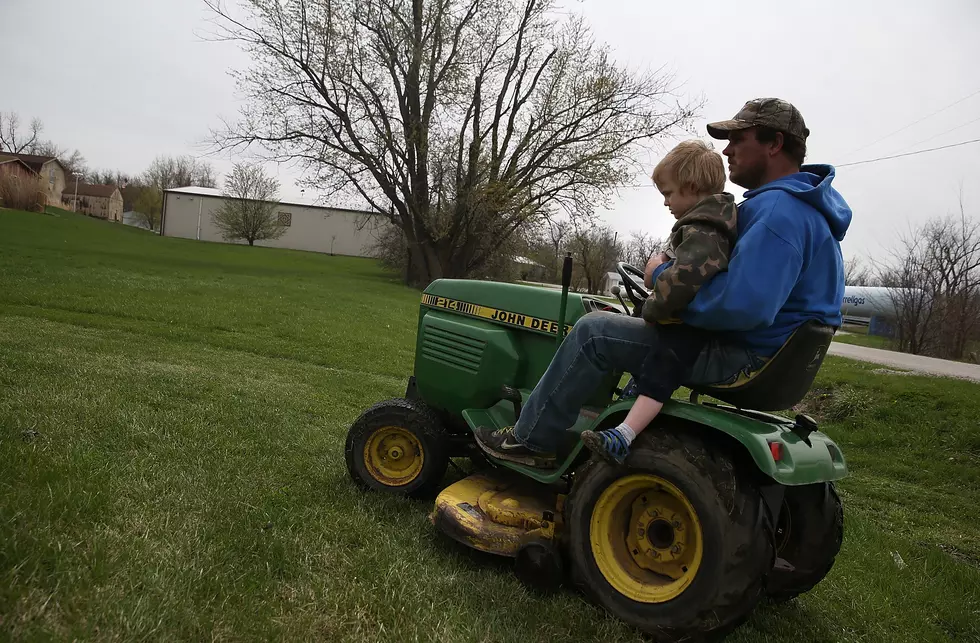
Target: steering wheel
634 288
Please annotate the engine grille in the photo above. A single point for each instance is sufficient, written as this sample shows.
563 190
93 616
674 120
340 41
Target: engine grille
447 347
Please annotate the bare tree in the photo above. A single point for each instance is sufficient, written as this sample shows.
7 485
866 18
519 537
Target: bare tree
953 245
467 120
148 206
169 172
907 277
204 175
13 140
250 210
935 279
49 148
640 247
856 273
390 249
72 163
107 177
595 251
556 234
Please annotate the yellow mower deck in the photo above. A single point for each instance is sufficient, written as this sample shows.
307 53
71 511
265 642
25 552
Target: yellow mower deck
496 515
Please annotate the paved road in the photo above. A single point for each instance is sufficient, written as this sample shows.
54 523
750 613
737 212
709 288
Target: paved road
917 363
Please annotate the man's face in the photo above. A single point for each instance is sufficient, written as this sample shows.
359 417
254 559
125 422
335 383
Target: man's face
748 159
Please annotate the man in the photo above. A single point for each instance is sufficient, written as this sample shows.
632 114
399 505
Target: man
786 269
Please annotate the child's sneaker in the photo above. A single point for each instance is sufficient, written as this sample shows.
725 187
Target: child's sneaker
610 445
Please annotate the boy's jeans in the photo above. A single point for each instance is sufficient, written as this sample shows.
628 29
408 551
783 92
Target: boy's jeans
599 344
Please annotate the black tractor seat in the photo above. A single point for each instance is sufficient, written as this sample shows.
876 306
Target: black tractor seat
785 378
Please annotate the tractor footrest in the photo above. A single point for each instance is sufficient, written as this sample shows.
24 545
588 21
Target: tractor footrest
498 416
501 414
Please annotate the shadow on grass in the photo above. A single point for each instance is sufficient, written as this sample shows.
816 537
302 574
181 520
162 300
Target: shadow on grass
784 621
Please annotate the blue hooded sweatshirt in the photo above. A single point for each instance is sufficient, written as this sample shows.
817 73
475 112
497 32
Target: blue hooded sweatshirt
786 267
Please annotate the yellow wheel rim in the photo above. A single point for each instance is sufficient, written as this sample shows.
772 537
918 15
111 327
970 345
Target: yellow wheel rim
393 456
646 538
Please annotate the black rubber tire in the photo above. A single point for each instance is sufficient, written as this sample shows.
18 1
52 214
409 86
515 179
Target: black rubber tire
422 423
737 544
809 534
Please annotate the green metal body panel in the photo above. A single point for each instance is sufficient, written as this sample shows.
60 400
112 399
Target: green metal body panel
474 337
800 463
816 459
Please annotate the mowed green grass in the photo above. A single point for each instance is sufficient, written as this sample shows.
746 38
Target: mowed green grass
172 419
864 339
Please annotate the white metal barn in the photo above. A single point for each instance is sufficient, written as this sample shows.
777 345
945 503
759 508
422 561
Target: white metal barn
187 213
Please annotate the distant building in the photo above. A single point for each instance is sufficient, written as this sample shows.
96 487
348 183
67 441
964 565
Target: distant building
13 166
20 186
187 213
530 270
612 279
50 171
102 201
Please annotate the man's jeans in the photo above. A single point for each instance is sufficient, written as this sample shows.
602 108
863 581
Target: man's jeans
599 344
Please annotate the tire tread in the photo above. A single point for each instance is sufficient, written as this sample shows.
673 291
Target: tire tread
822 547
414 415
748 552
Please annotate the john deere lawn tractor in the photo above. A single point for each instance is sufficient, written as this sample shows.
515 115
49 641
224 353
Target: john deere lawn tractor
717 506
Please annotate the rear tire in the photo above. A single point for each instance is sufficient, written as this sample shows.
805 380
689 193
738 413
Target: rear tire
704 595
398 446
809 535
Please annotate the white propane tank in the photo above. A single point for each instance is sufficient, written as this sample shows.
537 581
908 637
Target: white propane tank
870 301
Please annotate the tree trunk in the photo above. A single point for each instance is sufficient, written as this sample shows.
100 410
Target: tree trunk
424 266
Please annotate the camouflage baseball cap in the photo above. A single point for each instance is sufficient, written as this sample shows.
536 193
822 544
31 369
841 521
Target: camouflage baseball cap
767 112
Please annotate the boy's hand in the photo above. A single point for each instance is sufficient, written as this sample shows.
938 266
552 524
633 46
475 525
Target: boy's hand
655 262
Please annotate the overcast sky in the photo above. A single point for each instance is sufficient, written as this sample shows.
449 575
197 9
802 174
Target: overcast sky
127 80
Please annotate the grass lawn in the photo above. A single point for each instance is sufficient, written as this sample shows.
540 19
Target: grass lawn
858 335
871 341
172 417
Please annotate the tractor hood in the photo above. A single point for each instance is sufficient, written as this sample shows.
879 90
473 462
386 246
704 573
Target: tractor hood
529 307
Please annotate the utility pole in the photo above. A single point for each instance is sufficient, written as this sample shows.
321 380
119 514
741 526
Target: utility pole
74 203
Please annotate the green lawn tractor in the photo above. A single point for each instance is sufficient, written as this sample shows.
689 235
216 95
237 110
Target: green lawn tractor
717 506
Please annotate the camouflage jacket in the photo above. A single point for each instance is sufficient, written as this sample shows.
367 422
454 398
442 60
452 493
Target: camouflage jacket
701 242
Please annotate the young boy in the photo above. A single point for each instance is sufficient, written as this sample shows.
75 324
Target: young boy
692 180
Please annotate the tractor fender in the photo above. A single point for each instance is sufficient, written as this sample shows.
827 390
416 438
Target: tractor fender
801 460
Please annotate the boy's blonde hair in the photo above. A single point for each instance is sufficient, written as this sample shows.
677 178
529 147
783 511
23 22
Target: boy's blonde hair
694 166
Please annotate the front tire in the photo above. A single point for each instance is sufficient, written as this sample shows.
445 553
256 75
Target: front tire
675 543
809 534
398 446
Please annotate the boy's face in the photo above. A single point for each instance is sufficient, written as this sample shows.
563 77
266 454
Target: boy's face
677 199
